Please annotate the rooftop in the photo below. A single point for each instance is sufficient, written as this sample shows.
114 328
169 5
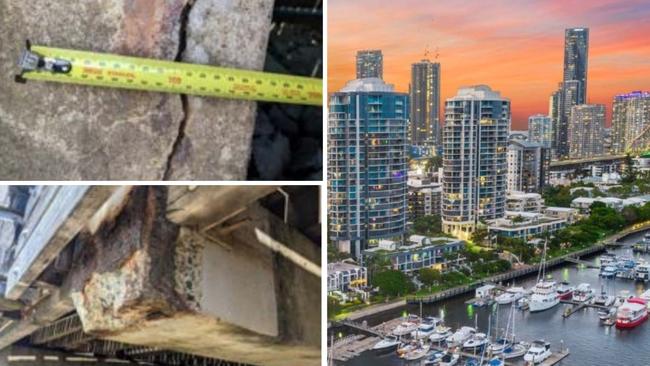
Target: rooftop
367 85
482 92
525 143
341 267
633 95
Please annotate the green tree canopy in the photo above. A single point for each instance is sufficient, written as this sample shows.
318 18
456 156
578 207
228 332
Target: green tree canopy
429 225
392 283
430 276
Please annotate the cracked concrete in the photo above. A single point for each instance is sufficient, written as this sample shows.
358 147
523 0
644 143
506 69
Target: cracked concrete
52 131
217 136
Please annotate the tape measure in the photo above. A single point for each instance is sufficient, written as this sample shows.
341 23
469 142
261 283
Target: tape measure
115 71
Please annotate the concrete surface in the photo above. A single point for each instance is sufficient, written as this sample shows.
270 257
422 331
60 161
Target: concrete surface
216 140
53 131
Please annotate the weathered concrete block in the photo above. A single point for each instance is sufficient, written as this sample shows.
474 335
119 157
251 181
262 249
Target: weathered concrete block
218 132
144 280
52 131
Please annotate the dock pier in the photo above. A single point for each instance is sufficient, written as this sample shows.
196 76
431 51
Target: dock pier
577 306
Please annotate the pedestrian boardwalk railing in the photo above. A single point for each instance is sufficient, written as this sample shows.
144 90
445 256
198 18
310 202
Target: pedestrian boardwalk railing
455 291
361 327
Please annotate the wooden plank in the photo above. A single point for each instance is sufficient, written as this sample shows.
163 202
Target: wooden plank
202 207
52 224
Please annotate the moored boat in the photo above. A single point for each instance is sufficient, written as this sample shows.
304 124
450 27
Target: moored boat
450 359
642 272
545 291
406 327
603 299
544 296
632 313
539 351
417 353
511 294
499 346
426 328
477 340
608 272
386 345
434 357
565 291
516 350
460 336
440 334
583 293
607 259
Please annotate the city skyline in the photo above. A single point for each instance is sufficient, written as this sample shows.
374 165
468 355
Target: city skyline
521 54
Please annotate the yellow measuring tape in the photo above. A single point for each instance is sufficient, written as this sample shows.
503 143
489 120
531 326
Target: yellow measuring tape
115 71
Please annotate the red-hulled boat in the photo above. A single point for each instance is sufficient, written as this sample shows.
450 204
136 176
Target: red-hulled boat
632 313
565 291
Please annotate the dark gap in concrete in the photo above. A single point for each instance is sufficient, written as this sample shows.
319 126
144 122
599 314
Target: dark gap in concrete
182 44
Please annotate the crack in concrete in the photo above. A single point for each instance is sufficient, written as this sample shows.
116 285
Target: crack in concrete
182 44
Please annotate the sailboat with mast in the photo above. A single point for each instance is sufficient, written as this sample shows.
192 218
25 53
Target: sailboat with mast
506 347
545 294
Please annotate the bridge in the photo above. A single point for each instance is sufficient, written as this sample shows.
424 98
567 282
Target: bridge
598 160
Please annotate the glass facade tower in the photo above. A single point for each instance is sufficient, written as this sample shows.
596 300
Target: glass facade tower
425 103
370 64
367 164
475 140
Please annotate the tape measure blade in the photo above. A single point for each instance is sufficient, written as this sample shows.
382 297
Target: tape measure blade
127 72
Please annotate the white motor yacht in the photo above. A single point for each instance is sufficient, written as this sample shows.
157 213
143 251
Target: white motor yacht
440 334
476 341
538 352
510 295
425 329
386 345
460 336
583 293
405 328
544 296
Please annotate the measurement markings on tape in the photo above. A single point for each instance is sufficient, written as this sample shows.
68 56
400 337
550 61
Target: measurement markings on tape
115 71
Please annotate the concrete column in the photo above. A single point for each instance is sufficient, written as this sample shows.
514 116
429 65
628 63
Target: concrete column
142 279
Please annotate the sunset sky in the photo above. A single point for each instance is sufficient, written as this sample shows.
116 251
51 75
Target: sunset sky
514 46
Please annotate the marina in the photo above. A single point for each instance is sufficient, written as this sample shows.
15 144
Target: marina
579 331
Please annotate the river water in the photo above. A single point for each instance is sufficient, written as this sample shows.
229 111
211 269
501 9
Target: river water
589 342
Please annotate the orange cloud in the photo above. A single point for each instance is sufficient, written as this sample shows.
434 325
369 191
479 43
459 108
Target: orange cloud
515 47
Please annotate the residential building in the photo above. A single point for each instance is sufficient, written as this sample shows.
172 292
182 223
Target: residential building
423 198
370 64
540 130
528 164
642 162
573 89
418 252
524 225
566 213
425 103
576 50
569 97
631 122
524 202
586 131
583 204
477 121
554 112
341 276
367 164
